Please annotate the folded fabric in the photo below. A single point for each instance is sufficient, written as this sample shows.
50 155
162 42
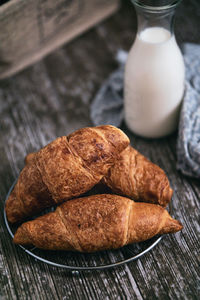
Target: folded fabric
107 108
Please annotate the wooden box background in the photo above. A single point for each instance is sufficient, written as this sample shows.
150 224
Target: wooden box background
30 29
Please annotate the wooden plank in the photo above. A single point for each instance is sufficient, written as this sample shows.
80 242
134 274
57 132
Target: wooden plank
32 29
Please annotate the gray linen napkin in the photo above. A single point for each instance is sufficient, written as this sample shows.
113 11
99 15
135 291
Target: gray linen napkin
107 108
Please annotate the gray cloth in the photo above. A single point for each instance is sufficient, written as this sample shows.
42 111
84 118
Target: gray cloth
107 108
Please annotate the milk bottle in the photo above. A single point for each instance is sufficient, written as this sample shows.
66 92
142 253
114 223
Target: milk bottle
154 73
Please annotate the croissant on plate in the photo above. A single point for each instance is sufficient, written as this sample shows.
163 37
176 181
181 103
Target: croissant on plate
66 168
96 223
134 176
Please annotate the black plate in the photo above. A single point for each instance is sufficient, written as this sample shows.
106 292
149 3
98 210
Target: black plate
82 262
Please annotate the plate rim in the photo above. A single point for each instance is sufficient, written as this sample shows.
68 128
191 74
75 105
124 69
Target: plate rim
77 268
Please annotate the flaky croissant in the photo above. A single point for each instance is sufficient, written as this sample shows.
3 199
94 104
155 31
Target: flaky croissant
96 223
134 176
65 168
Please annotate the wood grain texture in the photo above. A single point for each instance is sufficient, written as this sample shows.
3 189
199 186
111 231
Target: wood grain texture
32 29
52 99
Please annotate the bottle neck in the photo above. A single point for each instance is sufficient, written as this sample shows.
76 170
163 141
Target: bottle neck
152 15
147 19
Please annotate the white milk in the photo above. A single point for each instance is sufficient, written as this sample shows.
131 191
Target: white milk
154 83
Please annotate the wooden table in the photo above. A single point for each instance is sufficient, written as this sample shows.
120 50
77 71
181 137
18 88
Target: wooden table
52 98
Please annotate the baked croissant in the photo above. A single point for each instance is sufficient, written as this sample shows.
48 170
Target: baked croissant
65 168
95 223
134 176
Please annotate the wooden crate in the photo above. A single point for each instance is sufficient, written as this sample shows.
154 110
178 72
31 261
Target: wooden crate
30 29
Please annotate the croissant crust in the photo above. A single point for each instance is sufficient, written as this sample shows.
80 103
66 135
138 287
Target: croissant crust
65 168
134 176
96 223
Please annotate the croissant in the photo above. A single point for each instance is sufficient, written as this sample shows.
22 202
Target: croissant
134 176
65 168
95 223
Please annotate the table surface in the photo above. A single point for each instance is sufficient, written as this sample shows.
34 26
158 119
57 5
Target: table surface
51 99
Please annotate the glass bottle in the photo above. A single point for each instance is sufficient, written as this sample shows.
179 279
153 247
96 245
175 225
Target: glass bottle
154 72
